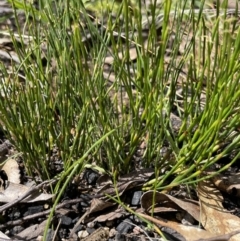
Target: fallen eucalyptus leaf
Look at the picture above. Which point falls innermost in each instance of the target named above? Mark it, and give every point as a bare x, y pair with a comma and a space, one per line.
214, 217
228, 183
164, 202
224, 237
14, 191
12, 170
99, 205
188, 232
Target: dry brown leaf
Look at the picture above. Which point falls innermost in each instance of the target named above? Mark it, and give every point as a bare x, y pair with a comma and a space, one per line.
167, 201
3, 236
63, 211
224, 237
103, 183
14, 191
190, 233
33, 231
99, 205
108, 217
228, 183
214, 217
12, 170
101, 234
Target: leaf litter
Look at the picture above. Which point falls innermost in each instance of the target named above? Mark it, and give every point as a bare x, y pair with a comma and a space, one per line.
214, 218
209, 213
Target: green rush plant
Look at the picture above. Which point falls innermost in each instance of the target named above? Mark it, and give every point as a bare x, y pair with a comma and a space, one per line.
96, 88
98, 79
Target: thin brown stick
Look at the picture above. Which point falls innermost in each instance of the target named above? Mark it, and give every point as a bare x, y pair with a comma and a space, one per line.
56, 231
78, 223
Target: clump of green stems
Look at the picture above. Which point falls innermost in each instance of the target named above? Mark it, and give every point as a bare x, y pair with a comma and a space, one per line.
65, 103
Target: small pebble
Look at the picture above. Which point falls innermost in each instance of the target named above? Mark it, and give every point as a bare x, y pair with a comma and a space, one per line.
84, 204
91, 224
136, 198
112, 232
83, 234
91, 176
66, 221
46, 206
124, 227
17, 229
